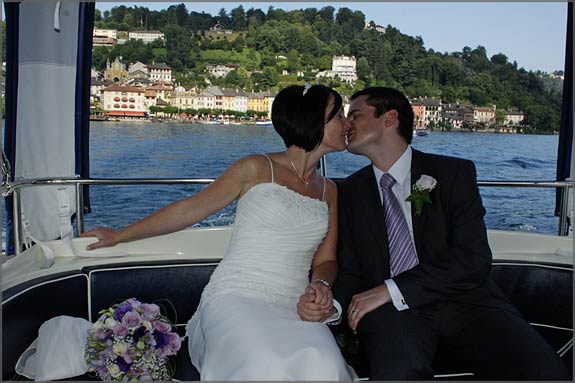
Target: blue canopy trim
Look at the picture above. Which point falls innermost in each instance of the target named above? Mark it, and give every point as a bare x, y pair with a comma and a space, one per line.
12, 26
82, 113
565, 149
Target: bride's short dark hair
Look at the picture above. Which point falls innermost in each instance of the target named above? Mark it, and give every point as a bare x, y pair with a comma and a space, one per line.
298, 114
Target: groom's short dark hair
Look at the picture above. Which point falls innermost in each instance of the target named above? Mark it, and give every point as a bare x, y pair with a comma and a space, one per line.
298, 114
385, 99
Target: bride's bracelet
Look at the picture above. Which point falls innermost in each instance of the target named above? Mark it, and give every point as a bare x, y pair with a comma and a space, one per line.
323, 282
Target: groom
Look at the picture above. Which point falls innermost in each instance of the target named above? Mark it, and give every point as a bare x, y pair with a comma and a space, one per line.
414, 276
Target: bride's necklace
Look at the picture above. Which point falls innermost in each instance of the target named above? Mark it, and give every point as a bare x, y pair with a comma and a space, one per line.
303, 180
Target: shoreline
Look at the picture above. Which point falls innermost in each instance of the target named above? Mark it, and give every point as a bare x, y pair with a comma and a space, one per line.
253, 123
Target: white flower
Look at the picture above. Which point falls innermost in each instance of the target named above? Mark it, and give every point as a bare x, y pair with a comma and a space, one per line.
120, 348
425, 183
114, 370
420, 192
111, 323
148, 325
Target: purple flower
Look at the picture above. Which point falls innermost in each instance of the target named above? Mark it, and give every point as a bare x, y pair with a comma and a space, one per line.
162, 326
120, 330
131, 319
121, 310
122, 364
100, 333
149, 311
161, 339
173, 346
133, 302
140, 332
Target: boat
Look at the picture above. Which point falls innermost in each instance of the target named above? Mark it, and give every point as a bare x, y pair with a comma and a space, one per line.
420, 132
43, 277
264, 122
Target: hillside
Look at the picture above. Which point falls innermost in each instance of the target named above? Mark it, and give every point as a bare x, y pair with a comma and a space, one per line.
301, 42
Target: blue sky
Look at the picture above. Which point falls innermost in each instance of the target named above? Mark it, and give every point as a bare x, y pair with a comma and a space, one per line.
531, 33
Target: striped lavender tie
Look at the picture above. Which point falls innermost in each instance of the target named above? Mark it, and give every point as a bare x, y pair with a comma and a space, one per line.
401, 252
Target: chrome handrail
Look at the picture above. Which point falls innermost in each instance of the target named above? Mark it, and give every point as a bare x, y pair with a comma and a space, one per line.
13, 188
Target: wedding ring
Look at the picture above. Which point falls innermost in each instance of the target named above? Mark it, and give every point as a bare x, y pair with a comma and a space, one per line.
353, 312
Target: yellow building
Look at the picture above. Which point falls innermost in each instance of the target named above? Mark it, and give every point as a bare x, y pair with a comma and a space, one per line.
261, 102
116, 71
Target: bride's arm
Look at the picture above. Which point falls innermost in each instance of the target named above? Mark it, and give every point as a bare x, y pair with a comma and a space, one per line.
317, 302
237, 179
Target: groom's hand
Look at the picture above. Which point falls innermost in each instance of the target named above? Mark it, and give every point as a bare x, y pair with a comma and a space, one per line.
366, 302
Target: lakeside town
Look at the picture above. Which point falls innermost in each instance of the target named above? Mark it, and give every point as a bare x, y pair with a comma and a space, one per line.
147, 92
151, 92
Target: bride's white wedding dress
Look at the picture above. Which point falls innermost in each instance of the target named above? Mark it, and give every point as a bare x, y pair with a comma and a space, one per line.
246, 326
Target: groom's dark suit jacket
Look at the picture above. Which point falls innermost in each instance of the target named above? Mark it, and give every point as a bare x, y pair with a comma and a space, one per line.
450, 238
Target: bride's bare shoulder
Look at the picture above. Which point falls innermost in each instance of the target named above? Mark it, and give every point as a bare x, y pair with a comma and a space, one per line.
254, 167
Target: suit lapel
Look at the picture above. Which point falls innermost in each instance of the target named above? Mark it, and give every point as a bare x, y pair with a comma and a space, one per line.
417, 169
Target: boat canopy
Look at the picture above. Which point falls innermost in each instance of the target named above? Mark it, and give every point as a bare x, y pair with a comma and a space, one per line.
566, 140
48, 60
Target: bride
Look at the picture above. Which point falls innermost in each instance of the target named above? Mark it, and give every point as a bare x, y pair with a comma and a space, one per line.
252, 322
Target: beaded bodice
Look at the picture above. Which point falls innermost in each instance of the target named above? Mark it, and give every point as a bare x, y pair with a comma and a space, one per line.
276, 233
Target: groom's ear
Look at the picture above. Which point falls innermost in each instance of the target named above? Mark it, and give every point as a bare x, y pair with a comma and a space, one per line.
390, 117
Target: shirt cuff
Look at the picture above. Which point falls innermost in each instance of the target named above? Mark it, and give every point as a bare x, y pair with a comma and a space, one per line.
396, 296
335, 318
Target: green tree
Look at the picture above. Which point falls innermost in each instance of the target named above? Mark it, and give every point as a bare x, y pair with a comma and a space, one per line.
364, 70
238, 19
178, 46
500, 116
223, 18
99, 57
293, 61
541, 118
239, 44
255, 17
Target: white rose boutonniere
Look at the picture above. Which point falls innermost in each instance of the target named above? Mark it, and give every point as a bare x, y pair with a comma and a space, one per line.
420, 192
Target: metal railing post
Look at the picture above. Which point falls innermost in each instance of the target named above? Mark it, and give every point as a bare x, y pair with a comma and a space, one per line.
79, 209
563, 215
17, 221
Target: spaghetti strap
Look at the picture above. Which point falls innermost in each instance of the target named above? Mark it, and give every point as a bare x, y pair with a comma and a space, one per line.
323, 192
271, 166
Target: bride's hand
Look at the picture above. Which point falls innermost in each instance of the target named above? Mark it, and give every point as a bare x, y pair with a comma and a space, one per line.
310, 311
106, 237
323, 295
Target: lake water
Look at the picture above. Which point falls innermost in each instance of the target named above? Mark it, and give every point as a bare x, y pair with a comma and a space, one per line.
147, 150
165, 150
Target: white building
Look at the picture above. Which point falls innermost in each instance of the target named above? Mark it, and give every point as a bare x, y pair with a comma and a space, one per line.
484, 115
513, 118
110, 33
235, 99
219, 70
343, 67
124, 101
146, 36
137, 66
212, 98
160, 72
182, 99
377, 28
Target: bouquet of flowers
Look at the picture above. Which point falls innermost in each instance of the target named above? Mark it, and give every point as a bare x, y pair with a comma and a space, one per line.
132, 341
